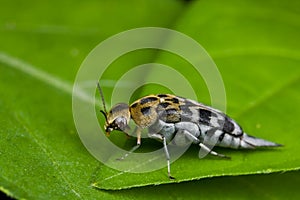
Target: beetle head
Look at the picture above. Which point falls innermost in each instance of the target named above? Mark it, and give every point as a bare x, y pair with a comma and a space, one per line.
117, 118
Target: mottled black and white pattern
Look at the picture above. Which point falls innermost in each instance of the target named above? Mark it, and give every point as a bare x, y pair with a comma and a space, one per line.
209, 126
179, 121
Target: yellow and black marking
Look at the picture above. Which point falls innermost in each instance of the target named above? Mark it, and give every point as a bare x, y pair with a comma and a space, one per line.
147, 110
169, 117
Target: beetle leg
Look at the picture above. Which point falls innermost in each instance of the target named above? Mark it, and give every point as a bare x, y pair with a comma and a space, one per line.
138, 143
164, 140
168, 158
204, 148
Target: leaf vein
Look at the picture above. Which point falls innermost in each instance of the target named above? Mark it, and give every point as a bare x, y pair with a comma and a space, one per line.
268, 95
44, 149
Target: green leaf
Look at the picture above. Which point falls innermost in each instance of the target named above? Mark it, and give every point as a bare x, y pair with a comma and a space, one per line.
42, 47
254, 45
240, 187
262, 81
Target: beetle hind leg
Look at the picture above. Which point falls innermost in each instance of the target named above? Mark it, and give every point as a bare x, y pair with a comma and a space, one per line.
204, 149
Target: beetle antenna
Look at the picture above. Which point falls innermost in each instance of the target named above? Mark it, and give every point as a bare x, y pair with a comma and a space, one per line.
103, 101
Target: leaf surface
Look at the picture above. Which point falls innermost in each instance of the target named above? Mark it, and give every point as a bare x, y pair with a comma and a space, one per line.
253, 43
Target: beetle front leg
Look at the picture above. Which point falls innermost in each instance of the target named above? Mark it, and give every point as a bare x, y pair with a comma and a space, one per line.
138, 132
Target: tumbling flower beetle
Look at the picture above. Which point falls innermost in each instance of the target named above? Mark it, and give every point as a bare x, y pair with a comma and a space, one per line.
170, 118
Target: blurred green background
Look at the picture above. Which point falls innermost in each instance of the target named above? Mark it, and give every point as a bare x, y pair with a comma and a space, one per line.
255, 45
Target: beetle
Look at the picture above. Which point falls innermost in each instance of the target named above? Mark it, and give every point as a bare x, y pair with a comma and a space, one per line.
175, 119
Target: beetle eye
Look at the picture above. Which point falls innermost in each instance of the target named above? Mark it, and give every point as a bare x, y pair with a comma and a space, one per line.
121, 123
109, 129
